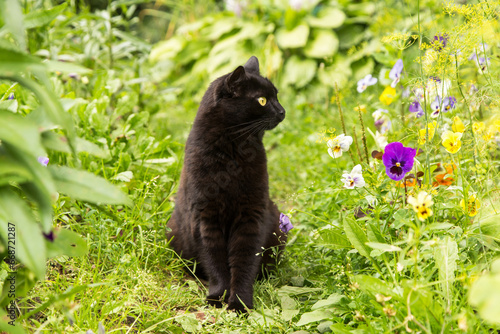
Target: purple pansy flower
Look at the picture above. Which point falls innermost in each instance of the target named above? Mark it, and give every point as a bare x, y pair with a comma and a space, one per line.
395, 73
43, 160
285, 224
416, 108
398, 160
365, 82
449, 103
11, 96
436, 107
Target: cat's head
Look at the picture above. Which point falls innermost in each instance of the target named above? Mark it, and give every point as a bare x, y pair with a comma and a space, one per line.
248, 99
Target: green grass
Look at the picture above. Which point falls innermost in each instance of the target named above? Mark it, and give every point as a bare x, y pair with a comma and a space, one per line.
412, 275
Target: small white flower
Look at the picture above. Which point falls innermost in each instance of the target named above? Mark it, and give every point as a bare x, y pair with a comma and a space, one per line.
354, 178
338, 145
379, 114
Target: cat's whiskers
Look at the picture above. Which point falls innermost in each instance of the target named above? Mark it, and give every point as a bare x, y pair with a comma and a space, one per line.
250, 130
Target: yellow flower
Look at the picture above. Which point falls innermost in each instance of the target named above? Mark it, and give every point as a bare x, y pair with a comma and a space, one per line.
478, 128
421, 205
451, 141
388, 95
473, 205
361, 108
496, 125
488, 134
458, 125
432, 129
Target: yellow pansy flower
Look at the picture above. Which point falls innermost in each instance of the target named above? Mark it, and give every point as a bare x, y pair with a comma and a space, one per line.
478, 128
458, 125
388, 95
421, 205
431, 128
451, 141
473, 205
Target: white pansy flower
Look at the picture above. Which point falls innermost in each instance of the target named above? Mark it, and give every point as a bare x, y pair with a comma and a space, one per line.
338, 145
354, 178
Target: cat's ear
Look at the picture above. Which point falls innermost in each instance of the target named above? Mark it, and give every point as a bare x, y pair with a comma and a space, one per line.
237, 76
252, 65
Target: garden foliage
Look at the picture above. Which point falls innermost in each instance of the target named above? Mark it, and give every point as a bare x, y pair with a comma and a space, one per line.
387, 163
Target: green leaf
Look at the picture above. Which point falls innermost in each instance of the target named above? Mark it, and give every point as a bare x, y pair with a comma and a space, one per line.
289, 307
10, 167
29, 244
374, 285
68, 243
356, 236
295, 38
323, 44
87, 187
5, 327
446, 256
296, 291
12, 15
332, 238
23, 279
189, 323
59, 143
314, 316
338, 73
373, 232
327, 18
484, 295
13, 62
299, 72
21, 133
333, 299
340, 329
383, 247
42, 17
65, 67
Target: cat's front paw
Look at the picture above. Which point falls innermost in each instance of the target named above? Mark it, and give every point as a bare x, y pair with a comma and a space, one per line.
235, 304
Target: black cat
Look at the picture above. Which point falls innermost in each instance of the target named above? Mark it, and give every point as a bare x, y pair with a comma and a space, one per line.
223, 216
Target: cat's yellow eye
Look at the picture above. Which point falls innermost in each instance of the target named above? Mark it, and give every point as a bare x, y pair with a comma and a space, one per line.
262, 101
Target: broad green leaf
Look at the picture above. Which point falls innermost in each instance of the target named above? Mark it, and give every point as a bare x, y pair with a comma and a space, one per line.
65, 67
324, 43
6, 327
338, 73
59, 143
373, 232
12, 15
29, 242
189, 323
37, 193
328, 17
66, 242
356, 236
296, 291
24, 282
484, 295
87, 187
332, 238
340, 329
13, 62
299, 72
446, 256
168, 49
295, 38
41, 17
383, 247
333, 299
51, 105
21, 133
374, 285
314, 316
289, 307
10, 167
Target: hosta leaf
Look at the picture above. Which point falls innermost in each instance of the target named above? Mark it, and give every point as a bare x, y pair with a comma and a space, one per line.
295, 38
327, 18
299, 72
323, 44
87, 187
